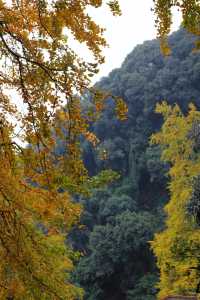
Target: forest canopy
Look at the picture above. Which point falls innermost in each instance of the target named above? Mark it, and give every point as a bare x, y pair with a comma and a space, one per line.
46, 136
39, 75
119, 221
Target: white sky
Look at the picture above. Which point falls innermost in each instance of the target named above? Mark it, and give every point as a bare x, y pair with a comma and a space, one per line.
123, 33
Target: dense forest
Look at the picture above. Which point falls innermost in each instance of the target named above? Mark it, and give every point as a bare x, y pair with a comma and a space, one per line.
99, 185
119, 221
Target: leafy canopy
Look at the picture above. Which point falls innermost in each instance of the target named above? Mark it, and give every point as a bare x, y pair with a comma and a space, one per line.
163, 9
39, 73
177, 247
106, 271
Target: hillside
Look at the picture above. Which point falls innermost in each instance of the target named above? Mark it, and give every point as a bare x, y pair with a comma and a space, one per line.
120, 221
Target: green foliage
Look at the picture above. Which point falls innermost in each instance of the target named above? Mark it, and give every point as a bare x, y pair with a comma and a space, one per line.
144, 289
155, 167
102, 179
114, 267
115, 248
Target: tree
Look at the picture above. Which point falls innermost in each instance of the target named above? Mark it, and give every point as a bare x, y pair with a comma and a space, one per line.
118, 255
177, 247
190, 10
38, 64
142, 186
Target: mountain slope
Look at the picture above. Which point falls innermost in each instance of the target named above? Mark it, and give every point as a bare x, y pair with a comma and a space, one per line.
119, 221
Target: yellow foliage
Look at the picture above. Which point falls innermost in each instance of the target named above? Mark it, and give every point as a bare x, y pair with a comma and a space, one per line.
177, 247
163, 10
91, 137
121, 109
39, 65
